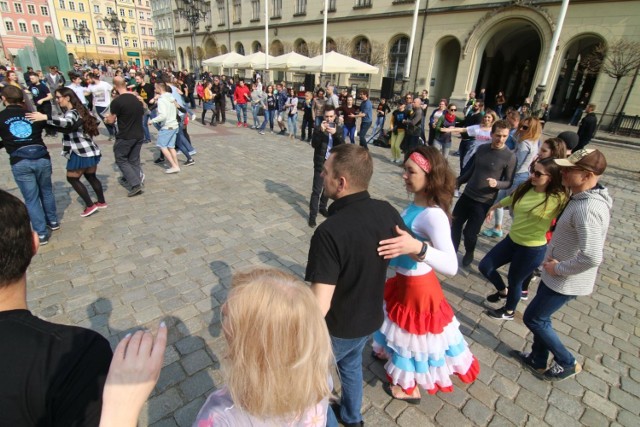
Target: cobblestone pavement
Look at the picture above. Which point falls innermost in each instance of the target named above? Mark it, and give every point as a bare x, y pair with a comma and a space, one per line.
169, 254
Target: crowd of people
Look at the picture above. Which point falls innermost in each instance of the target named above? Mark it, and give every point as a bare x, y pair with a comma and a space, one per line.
283, 336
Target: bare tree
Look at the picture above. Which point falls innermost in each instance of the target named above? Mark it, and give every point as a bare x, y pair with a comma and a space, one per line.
314, 48
618, 60
379, 54
343, 45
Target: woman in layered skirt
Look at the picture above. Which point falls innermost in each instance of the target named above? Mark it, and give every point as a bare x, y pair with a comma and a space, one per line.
420, 338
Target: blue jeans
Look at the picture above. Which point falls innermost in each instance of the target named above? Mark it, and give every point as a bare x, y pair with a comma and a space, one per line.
182, 143
364, 128
348, 354
292, 122
255, 109
379, 124
349, 130
268, 116
34, 181
145, 127
537, 317
523, 259
243, 108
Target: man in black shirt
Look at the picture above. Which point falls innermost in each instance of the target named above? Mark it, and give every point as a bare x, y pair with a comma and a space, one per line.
42, 97
587, 129
30, 162
346, 273
326, 136
146, 92
128, 109
51, 375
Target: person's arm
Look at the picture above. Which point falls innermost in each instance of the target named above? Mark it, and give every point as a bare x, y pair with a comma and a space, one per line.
453, 130
507, 175
501, 204
133, 374
467, 175
163, 113
324, 294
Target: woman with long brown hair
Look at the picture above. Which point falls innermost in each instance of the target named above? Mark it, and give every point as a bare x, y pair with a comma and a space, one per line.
534, 204
78, 127
420, 336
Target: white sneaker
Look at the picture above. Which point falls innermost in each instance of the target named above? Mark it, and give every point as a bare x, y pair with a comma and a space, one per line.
193, 116
456, 193
172, 170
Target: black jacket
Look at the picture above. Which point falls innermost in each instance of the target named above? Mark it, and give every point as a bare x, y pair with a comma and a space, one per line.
587, 130
319, 142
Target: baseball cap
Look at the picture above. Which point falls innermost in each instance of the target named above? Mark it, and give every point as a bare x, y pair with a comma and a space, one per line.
570, 139
588, 159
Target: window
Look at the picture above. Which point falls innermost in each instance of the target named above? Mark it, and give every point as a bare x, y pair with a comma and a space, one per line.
62, 4
122, 12
48, 29
18, 7
130, 13
101, 40
143, 31
35, 28
150, 31
362, 3
276, 8
141, 15
75, 23
109, 10
153, 44
65, 22
361, 52
301, 7
301, 47
237, 11
148, 16
145, 44
44, 10
31, 9
114, 41
84, 22
126, 42
398, 58
255, 10
221, 12
8, 25
332, 5
4, 6
96, 8
133, 29
69, 39
135, 42
239, 48
72, 6
81, 7
22, 26
99, 25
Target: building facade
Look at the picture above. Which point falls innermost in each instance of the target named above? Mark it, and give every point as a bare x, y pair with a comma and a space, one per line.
163, 19
21, 21
460, 45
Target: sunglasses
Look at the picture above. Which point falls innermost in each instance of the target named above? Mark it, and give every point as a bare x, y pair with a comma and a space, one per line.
524, 127
453, 109
538, 174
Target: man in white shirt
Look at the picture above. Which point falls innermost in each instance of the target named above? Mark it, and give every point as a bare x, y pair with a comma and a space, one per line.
76, 86
101, 91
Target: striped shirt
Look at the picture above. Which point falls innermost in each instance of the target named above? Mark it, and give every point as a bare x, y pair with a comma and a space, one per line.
76, 141
578, 242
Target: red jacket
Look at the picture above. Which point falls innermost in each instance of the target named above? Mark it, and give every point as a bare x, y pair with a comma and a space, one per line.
242, 94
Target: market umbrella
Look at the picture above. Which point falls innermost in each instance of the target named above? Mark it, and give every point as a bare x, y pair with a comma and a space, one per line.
227, 60
255, 61
288, 61
335, 62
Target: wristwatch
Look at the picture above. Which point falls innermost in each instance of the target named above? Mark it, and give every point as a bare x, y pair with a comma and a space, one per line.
423, 251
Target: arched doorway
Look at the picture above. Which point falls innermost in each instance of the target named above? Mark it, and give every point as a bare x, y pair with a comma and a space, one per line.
223, 49
509, 61
256, 47
445, 68
181, 58
277, 48
240, 48
300, 46
210, 48
574, 80
398, 53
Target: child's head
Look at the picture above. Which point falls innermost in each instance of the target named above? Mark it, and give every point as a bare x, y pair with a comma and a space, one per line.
553, 148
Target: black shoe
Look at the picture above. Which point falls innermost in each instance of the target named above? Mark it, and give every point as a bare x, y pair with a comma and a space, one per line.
467, 259
496, 297
500, 314
159, 160
135, 190
324, 213
559, 373
213, 124
312, 222
190, 162
527, 362
123, 181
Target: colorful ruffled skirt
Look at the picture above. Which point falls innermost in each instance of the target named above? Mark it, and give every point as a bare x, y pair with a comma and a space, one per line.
421, 338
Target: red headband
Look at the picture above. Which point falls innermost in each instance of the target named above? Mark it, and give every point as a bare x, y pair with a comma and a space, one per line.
421, 161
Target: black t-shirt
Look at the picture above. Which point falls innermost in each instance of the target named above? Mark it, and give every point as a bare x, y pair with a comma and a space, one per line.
51, 375
146, 91
16, 131
129, 111
344, 253
39, 91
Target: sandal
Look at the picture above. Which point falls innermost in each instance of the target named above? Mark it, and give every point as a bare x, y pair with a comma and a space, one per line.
409, 399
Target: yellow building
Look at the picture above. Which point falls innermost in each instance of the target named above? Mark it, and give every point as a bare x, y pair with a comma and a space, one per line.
70, 14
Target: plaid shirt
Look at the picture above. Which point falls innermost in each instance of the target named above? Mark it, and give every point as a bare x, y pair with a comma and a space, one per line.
75, 141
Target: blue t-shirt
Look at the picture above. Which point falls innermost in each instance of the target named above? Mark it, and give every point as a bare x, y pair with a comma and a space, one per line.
367, 108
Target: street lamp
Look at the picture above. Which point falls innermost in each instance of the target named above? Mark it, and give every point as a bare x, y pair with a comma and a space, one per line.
116, 25
193, 11
83, 33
